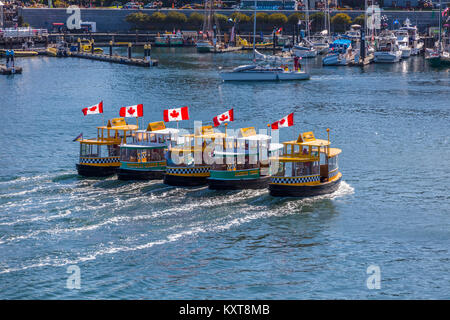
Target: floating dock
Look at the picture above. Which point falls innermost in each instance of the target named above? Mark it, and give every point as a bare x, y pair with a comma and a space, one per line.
5, 70
115, 59
228, 49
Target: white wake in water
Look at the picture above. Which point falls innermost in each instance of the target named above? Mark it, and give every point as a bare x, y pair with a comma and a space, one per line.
253, 205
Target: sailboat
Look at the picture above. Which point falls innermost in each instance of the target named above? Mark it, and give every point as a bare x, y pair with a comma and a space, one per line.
254, 72
440, 56
305, 49
208, 41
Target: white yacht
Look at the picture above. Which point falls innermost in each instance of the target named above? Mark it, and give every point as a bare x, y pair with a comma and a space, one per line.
415, 42
403, 43
304, 50
387, 50
258, 73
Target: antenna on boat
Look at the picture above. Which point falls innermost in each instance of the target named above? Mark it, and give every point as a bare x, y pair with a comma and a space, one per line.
328, 132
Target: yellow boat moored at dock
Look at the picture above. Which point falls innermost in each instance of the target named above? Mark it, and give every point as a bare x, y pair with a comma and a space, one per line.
100, 157
307, 167
20, 53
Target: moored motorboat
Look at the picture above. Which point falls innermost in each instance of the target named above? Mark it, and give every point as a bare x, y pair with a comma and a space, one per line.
188, 162
144, 157
387, 50
242, 162
259, 73
308, 167
99, 157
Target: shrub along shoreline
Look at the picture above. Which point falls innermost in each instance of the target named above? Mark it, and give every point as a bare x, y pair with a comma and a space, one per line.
340, 22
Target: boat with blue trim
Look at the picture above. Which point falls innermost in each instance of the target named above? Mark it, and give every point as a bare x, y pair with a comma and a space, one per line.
144, 157
99, 157
242, 162
189, 162
308, 167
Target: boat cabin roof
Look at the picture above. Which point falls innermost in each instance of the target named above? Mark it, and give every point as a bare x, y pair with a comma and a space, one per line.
146, 146
308, 139
206, 132
101, 141
119, 124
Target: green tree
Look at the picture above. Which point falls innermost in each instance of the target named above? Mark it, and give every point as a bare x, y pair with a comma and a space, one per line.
139, 19
240, 17
340, 22
157, 18
360, 20
175, 18
295, 18
221, 19
196, 19
278, 19
261, 18
317, 21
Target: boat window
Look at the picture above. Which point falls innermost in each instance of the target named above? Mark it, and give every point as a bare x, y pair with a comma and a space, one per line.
219, 166
332, 163
113, 150
155, 154
305, 168
90, 150
152, 137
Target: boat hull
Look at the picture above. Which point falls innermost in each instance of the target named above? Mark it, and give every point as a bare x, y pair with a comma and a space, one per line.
438, 62
305, 53
387, 57
184, 181
263, 76
96, 171
282, 190
238, 184
127, 174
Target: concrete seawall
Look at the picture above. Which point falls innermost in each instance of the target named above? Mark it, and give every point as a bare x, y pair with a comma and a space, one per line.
113, 20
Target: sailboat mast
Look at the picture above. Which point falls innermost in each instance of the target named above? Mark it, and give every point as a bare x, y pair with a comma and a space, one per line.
440, 14
307, 19
254, 33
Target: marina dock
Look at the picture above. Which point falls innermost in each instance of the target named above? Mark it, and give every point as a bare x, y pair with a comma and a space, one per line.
4, 70
115, 59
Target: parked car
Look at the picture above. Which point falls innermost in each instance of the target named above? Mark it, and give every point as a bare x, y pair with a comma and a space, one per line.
131, 5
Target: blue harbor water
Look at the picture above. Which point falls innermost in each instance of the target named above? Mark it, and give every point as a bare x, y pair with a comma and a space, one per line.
146, 240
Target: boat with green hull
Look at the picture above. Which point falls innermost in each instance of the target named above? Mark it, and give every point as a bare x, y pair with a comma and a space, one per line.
144, 157
242, 162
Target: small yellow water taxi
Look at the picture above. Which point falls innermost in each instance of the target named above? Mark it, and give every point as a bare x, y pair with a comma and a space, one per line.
100, 157
307, 167
144, 157
243, 162
189, 163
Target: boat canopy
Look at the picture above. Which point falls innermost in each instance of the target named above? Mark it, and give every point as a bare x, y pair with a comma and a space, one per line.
119, 124
244, 68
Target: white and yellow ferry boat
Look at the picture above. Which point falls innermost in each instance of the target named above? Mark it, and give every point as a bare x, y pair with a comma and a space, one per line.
100, 157
307, 167
189, 163
243, 162
144, 157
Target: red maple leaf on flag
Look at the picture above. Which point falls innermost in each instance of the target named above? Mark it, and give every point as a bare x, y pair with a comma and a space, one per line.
282, 121
223, 117
93, 108
131, 110
174, 114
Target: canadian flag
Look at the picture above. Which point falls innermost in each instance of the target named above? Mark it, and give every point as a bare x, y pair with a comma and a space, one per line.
132, 111
176, 114
283, 123
224, 117
98, 108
